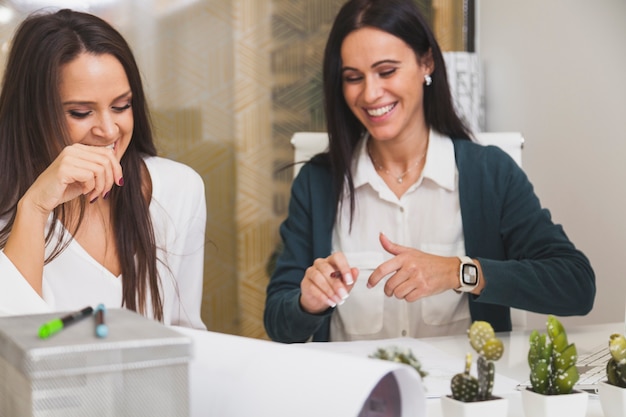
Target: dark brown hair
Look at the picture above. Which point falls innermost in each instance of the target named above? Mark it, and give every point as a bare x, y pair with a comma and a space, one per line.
33, 132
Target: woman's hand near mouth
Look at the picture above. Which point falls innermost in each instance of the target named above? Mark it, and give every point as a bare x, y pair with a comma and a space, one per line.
78, 170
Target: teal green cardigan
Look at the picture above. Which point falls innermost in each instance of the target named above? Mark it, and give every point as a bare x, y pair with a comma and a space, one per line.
527, 261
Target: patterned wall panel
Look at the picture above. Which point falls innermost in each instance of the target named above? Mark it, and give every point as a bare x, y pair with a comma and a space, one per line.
193, 95
252, 104
299, 32
448, 17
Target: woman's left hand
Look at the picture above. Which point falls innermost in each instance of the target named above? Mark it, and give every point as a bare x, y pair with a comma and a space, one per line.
415, 274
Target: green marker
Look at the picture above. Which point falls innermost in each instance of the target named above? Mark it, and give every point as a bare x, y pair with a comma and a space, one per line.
55, 325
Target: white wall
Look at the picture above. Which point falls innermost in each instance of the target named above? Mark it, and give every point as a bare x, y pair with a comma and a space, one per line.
556, 71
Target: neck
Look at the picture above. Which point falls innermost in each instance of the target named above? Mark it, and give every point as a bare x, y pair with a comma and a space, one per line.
397, 164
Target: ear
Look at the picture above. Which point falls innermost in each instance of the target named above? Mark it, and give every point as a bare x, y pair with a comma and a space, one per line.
427, 62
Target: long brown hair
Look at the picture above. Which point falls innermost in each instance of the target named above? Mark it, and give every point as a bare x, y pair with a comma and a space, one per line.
33, 132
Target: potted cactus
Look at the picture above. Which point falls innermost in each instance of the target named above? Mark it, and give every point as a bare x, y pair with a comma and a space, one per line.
612, 392
395, 354
553, 374
473, 396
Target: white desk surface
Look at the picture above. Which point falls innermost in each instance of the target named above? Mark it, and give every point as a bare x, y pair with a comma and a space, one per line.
513, 363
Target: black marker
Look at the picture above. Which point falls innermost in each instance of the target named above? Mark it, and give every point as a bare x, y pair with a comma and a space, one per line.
53, 326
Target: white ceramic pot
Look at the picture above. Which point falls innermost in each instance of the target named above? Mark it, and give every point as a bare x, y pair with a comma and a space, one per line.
612, 399
497, 407
539, 405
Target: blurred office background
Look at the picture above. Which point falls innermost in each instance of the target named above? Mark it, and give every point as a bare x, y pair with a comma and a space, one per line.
229, 82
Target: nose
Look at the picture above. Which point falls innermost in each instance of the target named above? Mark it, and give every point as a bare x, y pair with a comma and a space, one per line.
105, 126
372, 89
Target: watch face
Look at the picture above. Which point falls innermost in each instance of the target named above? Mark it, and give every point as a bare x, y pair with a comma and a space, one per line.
470, 274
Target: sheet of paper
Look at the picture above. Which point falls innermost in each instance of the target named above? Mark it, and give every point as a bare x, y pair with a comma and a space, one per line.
236, 376
441, 366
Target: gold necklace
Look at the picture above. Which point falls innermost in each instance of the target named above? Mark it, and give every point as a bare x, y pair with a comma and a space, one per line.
399, 178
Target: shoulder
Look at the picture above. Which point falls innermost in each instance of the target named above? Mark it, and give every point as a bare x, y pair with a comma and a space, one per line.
174, 183
173, 168
171, 175
474, 156
313, 186
315, 171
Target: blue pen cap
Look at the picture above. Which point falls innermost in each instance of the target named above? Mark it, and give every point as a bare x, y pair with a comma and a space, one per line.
102, 330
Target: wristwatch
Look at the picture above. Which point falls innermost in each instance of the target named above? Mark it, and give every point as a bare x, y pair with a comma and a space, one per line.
468, 275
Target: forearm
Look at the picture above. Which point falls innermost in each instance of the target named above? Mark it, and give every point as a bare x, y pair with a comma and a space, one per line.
25, 247
563, 286
286, 322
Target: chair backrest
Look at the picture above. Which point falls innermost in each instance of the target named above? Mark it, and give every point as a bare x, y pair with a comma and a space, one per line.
308, 144
510, 142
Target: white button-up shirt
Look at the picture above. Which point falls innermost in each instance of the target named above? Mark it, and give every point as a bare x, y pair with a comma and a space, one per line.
427, 217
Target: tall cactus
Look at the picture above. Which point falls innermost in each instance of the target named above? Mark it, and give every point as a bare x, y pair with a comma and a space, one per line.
465, 387
552, 360
616, 366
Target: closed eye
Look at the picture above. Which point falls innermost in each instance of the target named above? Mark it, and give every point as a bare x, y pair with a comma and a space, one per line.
120, 109
387, 74
79, 114
352, 78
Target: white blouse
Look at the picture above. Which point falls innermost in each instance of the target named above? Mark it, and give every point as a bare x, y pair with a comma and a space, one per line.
427, 217
74, 279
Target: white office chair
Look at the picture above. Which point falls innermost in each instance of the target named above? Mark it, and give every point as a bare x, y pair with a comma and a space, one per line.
308, 144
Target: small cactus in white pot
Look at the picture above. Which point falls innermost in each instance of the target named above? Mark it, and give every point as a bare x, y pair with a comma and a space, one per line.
474, 395
612, 392
553, 375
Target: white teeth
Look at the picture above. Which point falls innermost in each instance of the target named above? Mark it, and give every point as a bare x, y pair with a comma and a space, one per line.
111, 146
380, 111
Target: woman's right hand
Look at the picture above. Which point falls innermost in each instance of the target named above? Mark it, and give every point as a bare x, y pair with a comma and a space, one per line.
78, 170
327, 283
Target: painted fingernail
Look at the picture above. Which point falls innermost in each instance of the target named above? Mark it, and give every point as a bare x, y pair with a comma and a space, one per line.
343, 293
348, 279
93, 201
106, 195
120, 182
331, 303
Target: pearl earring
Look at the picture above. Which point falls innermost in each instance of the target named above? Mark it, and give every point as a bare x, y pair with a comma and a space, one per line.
428, 79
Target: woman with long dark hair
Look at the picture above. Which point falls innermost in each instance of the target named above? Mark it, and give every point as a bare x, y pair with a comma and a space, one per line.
406, 226
89, 213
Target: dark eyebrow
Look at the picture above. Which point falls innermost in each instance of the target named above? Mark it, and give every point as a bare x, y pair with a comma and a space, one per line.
374, 65
121, 96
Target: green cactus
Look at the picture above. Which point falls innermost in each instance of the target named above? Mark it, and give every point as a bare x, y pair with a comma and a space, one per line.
489, 348
395, 354
616, 366
552, 360
464, 386
486, 376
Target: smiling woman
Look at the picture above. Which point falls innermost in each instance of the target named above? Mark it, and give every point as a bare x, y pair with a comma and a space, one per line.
89, 214
428, 229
